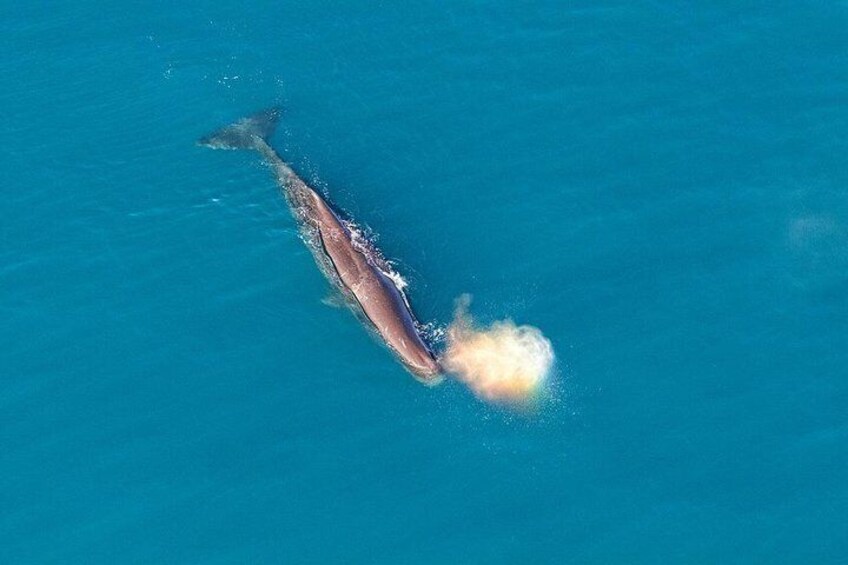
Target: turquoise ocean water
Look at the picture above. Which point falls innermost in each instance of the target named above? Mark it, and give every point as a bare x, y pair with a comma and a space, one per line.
661, 187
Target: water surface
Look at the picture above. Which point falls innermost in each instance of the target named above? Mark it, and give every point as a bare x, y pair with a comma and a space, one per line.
660, 187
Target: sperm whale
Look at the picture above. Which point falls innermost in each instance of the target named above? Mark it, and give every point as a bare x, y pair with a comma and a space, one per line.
357, 273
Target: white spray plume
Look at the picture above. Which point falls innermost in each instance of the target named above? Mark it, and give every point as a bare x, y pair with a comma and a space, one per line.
503, 363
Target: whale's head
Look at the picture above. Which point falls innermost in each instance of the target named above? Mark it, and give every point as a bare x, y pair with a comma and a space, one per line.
423, 366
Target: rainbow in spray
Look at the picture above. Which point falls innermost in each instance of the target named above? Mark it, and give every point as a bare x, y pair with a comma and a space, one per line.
504, 363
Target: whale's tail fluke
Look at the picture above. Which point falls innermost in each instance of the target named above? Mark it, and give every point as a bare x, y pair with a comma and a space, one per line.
245, 133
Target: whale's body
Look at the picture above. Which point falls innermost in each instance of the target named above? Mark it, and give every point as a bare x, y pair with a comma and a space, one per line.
348, 265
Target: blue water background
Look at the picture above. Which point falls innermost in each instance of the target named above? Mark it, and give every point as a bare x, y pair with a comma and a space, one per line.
661, 187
